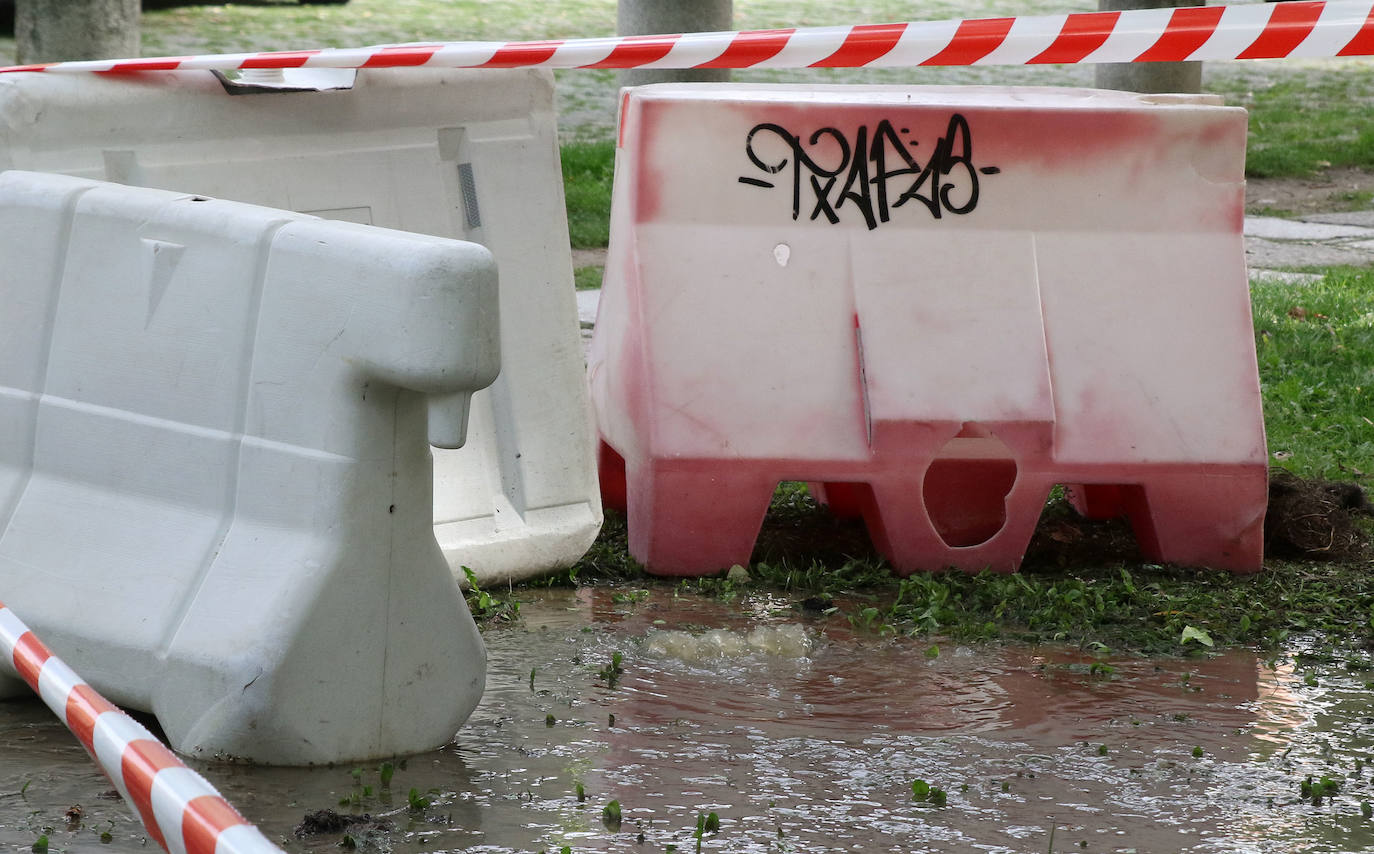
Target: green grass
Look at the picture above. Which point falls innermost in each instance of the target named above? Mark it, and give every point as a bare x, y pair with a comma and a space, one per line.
1305, 121
1315, 345
588, 278
588, 170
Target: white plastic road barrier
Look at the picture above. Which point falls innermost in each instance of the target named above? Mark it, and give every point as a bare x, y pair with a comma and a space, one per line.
181, 810
461, 154
1250, 31
215, 479
937, 303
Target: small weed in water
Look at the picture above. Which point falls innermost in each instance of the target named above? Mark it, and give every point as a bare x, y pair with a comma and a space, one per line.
610, 816
612, 671
386, 772
926, 793
1197, 752
1323, 787
706, 823
581, 793
550, 720
631, 597
1366, 810
416, 802
487, 608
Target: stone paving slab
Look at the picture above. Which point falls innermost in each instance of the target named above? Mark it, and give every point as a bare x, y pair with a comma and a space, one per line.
1274, 228
1361, 218
1262, 254
1284, 278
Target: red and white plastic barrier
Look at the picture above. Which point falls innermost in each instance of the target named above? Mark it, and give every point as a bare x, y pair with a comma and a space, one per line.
182, 812
1257, 31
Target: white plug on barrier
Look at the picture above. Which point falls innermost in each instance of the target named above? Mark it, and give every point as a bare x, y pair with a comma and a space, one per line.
215, 485
460, 154
935, 303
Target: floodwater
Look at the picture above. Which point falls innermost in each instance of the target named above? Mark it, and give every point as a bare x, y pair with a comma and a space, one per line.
802, 735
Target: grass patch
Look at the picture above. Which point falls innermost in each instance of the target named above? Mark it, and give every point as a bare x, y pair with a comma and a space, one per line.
588, 278
1315, 346
588, 169
1304, 121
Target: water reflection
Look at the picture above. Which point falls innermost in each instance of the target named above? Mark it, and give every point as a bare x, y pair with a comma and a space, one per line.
803, 748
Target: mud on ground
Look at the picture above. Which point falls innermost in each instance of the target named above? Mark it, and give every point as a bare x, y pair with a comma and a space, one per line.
1331, 190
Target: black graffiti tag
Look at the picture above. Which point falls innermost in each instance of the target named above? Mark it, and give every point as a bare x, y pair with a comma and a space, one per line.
876, 172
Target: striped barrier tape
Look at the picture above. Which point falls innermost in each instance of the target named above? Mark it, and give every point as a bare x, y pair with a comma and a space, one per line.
1257, 31
180, 810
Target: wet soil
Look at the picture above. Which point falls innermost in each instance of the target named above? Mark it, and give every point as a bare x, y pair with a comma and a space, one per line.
1310, 519
1333, 190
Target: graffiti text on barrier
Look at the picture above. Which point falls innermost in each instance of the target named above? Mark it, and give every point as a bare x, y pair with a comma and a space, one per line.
875, 173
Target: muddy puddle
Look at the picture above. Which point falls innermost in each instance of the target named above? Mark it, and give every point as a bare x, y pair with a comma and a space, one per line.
801, 735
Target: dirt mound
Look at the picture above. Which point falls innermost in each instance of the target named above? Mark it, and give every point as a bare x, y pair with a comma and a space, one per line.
1314, 519
327, 821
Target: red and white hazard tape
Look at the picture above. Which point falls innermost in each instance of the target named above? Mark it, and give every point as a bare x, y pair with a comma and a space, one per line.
180, 810
1255, 31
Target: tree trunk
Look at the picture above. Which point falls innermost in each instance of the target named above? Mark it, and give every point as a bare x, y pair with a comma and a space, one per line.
58, 30
1149, 76
661, 17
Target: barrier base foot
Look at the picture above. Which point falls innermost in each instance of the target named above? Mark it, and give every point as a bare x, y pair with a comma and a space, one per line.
695, 521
